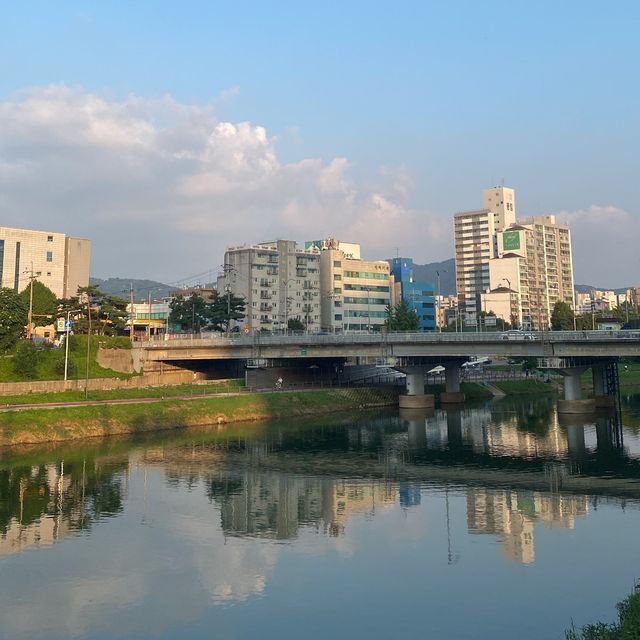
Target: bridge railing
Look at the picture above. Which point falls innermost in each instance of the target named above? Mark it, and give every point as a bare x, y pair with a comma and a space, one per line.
256, 338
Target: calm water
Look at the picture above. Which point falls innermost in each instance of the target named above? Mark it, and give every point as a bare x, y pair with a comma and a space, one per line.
498, 521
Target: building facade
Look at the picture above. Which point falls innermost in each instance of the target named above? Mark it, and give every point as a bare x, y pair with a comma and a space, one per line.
355, 293
279, 282
475, 244
58, 261
418, 295
534, 260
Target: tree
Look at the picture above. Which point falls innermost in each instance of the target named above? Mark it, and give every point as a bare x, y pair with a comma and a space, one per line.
401, 317
45, 303
190, 314
295, 324
25, 360
222, 310
13, 317
562, 318
108, 313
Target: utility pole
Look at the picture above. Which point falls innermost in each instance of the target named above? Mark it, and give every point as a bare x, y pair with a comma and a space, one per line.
86, 386
227, 289
149, 325
131, 318
32, 276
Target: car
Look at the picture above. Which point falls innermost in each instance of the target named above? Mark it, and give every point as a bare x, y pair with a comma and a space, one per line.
517, 334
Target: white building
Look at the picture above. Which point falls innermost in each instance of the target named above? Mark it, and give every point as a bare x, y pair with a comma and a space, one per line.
58, 261
355, 293
475, 245
279, 282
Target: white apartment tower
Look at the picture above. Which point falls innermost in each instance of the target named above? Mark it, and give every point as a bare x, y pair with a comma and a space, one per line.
278, 281
475, 244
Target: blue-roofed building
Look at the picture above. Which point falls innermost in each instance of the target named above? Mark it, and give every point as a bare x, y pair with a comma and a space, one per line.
418, 295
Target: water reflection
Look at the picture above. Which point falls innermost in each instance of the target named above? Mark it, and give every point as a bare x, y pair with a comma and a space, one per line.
207, 518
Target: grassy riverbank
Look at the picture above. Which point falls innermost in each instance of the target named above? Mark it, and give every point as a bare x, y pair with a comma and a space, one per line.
32, 426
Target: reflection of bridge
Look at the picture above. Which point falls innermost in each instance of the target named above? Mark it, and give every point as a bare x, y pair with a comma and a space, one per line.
569, 352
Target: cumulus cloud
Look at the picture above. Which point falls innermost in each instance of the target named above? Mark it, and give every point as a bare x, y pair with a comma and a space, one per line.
604, 239
162, 187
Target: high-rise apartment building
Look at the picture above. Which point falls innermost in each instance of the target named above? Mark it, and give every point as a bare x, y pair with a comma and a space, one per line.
279, 282
475, 244
534, 260
59, 261
355, 293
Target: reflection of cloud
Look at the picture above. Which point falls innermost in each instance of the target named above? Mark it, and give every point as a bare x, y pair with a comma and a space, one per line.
182, 178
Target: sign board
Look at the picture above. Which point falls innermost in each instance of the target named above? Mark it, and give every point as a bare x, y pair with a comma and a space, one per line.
470, 321
490, 321
60, 324
511, 241
68, 325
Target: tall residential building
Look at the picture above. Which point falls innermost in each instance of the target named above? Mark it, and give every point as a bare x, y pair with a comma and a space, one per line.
279, 282
418, 295
355, 293
59, 261
534, 261
475, 244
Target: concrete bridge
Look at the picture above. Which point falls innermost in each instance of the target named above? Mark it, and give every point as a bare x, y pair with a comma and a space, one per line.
571, 353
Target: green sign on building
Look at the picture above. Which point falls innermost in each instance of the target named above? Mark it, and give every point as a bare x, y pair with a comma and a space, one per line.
511, 240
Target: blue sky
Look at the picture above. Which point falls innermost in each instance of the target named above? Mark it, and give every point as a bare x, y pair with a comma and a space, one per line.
427, 102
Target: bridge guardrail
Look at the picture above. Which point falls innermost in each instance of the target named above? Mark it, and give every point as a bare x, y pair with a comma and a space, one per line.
216, 339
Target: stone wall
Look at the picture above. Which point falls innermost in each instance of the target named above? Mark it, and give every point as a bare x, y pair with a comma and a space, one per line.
116, 359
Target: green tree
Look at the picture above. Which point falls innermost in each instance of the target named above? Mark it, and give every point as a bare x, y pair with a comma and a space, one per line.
401, 317
25, 359
223, 310
108, 313
45, 303
13, 317
295, 324
562, 318
190, 314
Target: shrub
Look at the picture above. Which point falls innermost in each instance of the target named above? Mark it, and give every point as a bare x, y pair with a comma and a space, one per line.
25, 360
72, 367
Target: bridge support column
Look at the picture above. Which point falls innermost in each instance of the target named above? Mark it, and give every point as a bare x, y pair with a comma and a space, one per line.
454, 428
573, 401
416, 398
600, 395
452, 395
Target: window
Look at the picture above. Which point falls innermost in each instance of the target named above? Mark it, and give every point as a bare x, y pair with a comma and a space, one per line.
49, 238
337, 276
337, 263
49, 256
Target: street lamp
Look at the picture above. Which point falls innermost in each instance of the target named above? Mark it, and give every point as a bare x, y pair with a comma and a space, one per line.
67, 328
286, 304
32, 276
438, 303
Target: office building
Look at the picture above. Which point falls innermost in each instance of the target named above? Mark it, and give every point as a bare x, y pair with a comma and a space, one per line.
418, 295
58, 261
355, 293
278, 281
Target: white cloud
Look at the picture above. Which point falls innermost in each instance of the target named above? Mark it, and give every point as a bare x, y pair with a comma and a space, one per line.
163, 187
604, 240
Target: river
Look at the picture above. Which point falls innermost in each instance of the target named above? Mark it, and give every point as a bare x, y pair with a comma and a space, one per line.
498, 520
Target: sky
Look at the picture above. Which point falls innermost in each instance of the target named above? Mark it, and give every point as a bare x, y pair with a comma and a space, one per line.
166, 132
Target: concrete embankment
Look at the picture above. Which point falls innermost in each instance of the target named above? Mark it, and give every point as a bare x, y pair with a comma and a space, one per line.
32, 426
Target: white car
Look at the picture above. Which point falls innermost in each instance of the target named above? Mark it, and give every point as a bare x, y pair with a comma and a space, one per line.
517, 334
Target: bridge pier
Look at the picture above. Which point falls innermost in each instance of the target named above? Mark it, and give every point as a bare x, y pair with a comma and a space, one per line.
600, 392
452, 393
415, 397
573, 401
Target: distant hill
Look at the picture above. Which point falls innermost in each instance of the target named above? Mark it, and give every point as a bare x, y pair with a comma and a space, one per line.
428, 273
141, 288
587, 288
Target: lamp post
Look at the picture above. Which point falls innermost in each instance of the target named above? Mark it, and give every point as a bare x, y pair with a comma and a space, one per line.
32, 276
511, 314
67, 328
286, 304
368, 290
438, 306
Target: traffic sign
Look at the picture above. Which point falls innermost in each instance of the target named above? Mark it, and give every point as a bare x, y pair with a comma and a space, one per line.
68, 325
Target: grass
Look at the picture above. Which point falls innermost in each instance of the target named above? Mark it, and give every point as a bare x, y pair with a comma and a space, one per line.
48, 357
32, 426
524, 387
208, 388
627, 627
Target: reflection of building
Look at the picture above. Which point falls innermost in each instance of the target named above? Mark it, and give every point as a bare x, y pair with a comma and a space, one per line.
276, 505
511, 515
